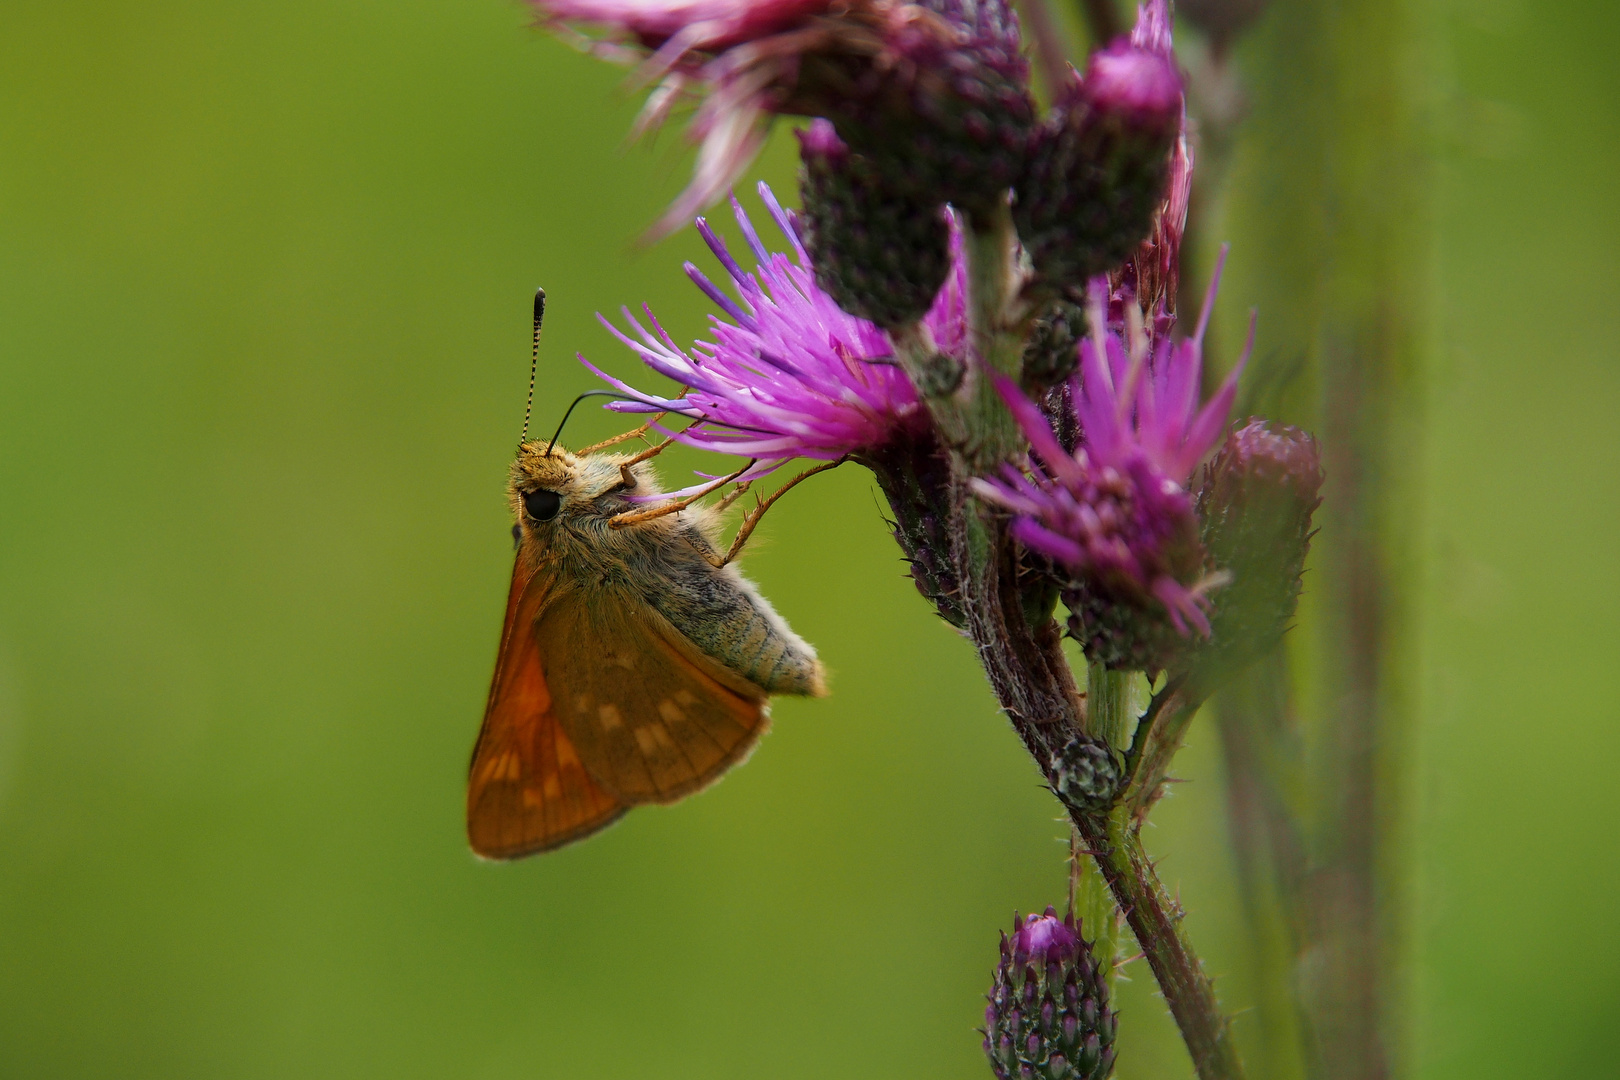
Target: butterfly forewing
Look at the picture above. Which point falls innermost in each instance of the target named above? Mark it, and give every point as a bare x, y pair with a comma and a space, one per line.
528, 790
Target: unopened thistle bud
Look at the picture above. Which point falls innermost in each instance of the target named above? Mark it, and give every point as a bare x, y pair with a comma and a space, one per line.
1085, 774
951, 122
879, 254
1254, 509
1097, 168
1048, 1017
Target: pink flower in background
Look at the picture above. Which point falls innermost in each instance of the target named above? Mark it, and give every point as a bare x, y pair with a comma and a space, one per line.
934, 64
689, 26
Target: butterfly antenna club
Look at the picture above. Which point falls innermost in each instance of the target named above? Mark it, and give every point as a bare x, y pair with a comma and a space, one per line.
534, 361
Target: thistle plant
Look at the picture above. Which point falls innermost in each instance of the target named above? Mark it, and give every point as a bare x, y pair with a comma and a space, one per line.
978, 303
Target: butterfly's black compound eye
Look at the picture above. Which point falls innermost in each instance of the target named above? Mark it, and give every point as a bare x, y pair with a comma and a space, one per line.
541, 504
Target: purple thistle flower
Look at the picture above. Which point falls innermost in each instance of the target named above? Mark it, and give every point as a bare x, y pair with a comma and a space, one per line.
788, 373
1152, 29
1117, 513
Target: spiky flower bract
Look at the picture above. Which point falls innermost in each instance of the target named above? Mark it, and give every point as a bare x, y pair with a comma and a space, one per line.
949, 124
787, 373
1116, 515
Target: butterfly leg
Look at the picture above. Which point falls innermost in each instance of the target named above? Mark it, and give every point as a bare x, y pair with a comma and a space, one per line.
747, 528
634, 517
633, 433
726, 501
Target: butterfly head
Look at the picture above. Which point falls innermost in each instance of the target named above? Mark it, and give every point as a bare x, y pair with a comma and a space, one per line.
549, 487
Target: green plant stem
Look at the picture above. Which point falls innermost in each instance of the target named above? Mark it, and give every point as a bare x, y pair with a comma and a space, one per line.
1159, 736
1022, 655
973, 421
1108, 717
1094, 903
1115, 845
1108, 705
1102, 20
997, 326
1155, 921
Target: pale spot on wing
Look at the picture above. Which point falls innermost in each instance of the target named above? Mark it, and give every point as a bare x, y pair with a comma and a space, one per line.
504, 766
672, 727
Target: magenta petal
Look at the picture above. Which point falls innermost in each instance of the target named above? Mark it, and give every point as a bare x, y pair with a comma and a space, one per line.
784, 372
1038, 537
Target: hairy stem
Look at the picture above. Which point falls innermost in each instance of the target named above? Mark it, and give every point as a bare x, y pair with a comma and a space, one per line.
998, 324
1160, 735
1109, 714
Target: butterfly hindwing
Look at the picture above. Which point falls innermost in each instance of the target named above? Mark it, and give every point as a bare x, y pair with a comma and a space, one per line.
653, 718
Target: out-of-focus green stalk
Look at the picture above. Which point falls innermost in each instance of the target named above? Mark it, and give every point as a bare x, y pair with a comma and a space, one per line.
1264, 795
1329, 206
1103, 20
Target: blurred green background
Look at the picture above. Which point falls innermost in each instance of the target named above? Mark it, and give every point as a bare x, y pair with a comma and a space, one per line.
264, 283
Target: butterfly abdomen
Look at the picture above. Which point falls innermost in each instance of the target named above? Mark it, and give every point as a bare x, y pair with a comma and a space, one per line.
722, 613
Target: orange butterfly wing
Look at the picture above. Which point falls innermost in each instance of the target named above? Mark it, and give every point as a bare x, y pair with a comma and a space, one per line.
653, 717
528, 791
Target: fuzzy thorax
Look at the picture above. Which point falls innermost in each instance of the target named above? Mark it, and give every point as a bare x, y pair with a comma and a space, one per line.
665, 562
